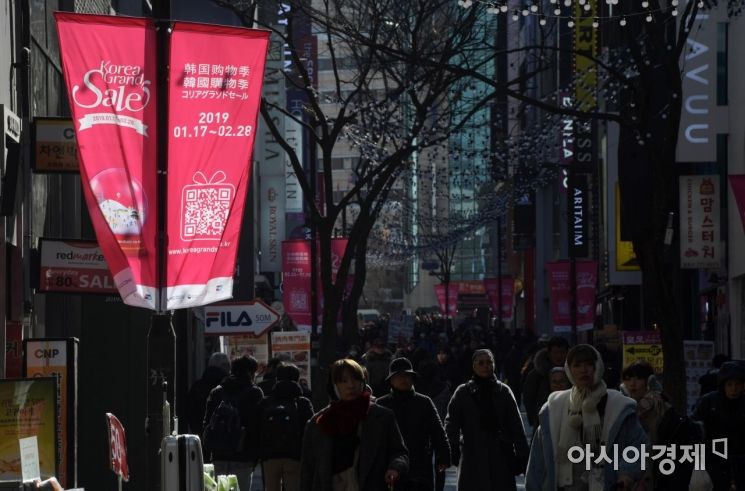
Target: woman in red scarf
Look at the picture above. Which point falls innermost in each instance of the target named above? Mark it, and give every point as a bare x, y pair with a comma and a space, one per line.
351, 444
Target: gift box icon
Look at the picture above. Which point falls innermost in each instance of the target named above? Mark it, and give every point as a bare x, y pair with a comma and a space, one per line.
205, 206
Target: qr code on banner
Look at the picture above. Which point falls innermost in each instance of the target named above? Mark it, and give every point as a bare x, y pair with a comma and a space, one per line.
299, 301
205, 206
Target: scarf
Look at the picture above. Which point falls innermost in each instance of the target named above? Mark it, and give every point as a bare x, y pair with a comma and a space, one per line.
580, 426
341, 422
483, 390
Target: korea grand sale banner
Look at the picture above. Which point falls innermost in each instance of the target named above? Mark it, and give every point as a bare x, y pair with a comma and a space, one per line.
214, 88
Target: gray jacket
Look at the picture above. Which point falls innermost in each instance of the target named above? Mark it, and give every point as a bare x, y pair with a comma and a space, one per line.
381, 448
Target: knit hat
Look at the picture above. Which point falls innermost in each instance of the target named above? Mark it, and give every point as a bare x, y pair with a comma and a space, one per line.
585, 352
400, 365
731, 370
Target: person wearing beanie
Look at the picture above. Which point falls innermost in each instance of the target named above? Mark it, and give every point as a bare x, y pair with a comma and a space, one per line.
420, 426
351, 444
485, 430
196, 399
587, 414
723, 415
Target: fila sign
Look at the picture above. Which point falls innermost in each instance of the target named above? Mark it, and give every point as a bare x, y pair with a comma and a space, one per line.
253, 317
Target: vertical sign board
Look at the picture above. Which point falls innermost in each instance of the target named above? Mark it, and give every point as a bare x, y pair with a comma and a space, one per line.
452, 293
58, 358
700, 245
294, 347
28, 407
578, 215
507, 293
586, 273
272, 221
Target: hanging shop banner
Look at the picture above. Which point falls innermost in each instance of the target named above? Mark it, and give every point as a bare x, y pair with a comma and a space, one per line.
54, 145
58, 358
697, 356
452, 293
73, 266
294, 347
737, 182
508, 294
561, 294
272, 220
28, 408
643, 346
110, 73
215, 84
700, 246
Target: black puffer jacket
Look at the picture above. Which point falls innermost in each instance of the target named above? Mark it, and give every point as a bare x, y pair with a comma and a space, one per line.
196, 399
537, 386
422, 431
248, 397
288, 394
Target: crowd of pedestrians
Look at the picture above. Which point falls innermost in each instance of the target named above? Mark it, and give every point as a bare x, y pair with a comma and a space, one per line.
399, 416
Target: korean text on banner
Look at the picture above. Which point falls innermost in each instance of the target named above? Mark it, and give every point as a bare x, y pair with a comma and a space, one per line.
110, 72
215, 81
586, 274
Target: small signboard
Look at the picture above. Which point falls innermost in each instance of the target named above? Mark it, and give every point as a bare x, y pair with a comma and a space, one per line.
294, 347
643, 346
29, 447
117, 447
254, 318
55, 148
74, 266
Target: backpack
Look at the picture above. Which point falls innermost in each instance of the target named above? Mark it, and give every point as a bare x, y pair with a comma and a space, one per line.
281, 431
224, 433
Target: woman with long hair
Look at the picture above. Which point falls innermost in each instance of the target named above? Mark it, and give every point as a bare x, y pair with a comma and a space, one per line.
351, 444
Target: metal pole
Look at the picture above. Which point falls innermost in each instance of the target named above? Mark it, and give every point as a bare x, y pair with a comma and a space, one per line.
499, 271
313, 236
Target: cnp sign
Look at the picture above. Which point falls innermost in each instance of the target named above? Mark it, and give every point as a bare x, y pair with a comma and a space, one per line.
117, 447
253, 317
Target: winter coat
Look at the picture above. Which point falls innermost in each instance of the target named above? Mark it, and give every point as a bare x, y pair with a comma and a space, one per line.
377, 370
620, 426
197, 397
481, 454
381, 448
247, 398
537, 386
439, 392
423, 433
723, 418
288, 393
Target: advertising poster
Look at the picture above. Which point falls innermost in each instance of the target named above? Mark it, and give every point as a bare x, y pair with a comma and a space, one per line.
28, 407
700, 245
452, 293
294, 347
697, 356
643, 346
73, 266
52, 358
247, 345
508, 294
561, 294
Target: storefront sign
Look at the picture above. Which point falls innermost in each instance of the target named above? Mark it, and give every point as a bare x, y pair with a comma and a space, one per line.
28, 407
253, 317
643, 346
294, 347
55, 149
700, 245
73, 266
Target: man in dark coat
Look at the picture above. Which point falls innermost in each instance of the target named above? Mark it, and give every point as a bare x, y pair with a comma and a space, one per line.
537, 386
217, 369
420, 427
239, 390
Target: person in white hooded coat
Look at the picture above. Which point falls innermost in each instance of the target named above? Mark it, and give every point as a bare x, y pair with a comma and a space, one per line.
587, 414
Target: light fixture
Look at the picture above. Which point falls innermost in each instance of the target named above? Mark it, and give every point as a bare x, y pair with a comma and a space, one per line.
534, 8
623, 21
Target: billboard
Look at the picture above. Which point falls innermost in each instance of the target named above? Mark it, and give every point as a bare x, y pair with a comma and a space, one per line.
700, 223
73, 266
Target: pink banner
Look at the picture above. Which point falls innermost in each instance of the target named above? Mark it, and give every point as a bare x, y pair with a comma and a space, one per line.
453, 297
216, 74
738, 189
508, 294
296, 278
110, 73
561, 294
214, 94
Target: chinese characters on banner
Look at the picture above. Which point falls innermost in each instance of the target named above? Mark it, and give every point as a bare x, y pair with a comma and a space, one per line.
699, 222
296, 286
561, 294
508, 290
213, 95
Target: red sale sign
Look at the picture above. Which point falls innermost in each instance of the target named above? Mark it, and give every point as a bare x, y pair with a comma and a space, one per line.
109, 67
216, 75
214, 93
117, 447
